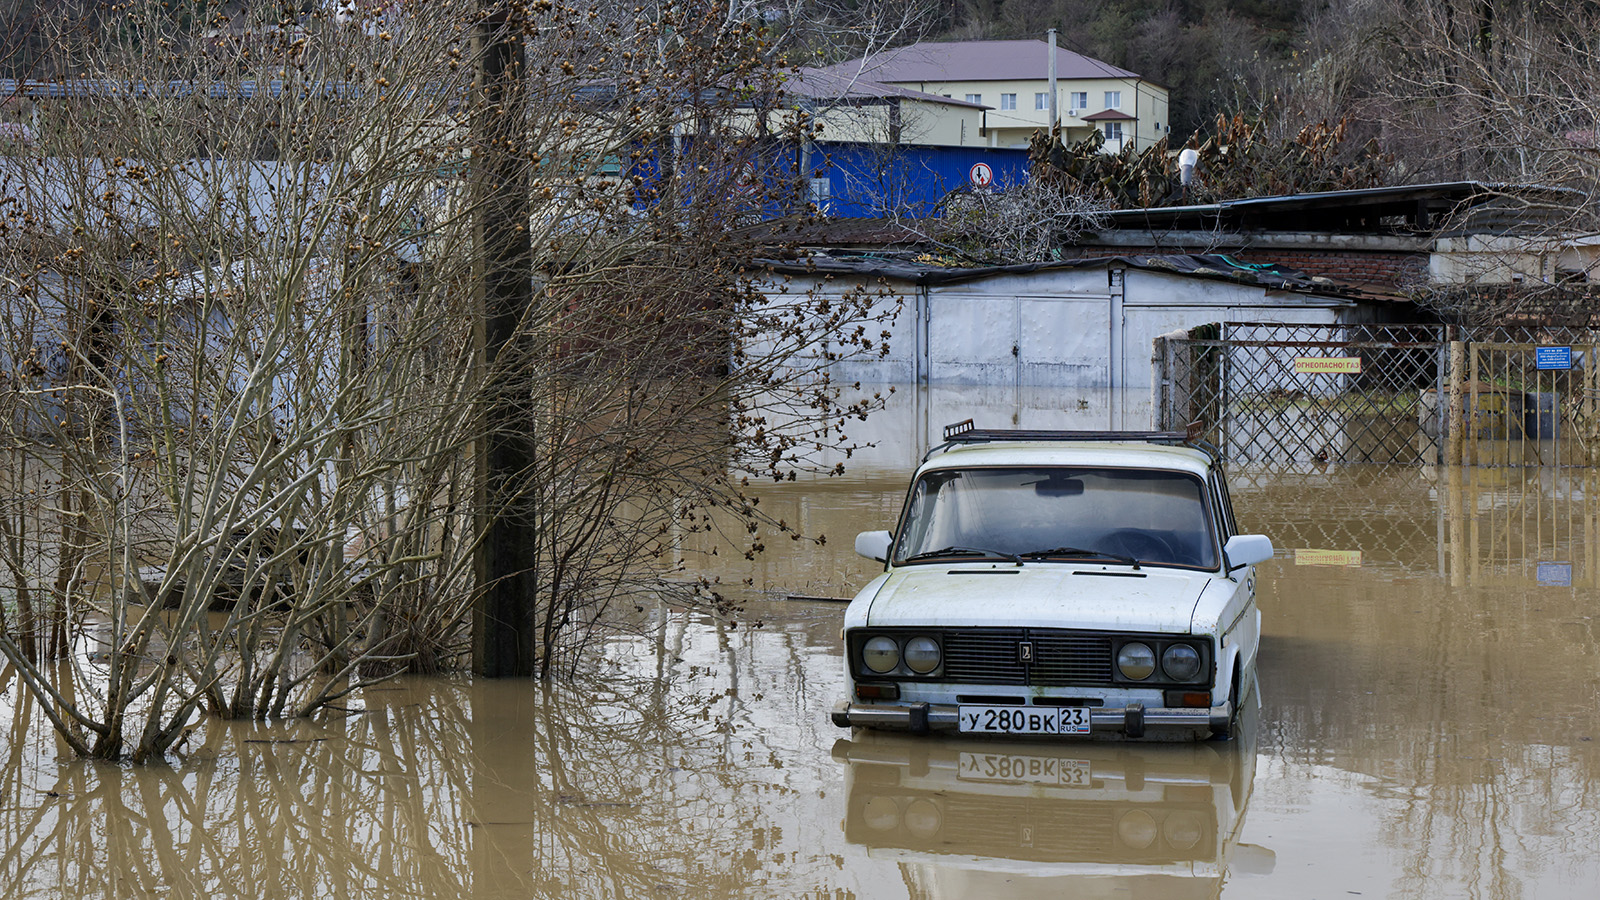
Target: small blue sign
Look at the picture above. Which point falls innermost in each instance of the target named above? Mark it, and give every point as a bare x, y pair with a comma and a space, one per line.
1555, 574
1553, 357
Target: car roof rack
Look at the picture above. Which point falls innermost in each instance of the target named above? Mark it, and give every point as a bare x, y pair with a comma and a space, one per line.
965, 432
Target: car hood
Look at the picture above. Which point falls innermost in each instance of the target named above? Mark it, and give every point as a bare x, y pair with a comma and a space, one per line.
1037, 595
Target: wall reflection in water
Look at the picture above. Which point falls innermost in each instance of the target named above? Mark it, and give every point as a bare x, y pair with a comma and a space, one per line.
987, 819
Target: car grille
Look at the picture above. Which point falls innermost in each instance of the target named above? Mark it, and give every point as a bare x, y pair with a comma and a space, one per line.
1042, 829
991, 656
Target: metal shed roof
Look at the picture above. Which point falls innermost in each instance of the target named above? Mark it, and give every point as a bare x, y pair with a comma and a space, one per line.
1211, 266
1383, 209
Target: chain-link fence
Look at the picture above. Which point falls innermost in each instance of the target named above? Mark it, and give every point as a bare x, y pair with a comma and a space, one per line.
1398, 394
1271, 392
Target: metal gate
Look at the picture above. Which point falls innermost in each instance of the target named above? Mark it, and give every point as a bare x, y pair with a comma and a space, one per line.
1525, 397
1273, 392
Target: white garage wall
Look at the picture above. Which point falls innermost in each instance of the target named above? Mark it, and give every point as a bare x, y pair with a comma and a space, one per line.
1080, 328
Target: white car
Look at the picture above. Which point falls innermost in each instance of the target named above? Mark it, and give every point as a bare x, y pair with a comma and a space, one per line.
1057, 584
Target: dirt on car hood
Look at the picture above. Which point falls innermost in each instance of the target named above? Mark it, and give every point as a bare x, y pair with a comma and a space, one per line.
1038, 595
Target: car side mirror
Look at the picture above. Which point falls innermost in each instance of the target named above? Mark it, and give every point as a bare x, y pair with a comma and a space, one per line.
1244, 550
874, 545
1250, 859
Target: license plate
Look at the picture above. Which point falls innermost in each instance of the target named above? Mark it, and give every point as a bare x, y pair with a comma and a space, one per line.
1013, 769
1024, 719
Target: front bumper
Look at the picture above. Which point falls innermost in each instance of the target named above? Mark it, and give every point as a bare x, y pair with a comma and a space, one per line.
1130, 721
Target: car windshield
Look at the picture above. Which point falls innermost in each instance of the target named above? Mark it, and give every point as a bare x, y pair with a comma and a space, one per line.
1127, 515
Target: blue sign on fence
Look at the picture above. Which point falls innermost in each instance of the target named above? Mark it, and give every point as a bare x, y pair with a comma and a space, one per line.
1554, 574
1553, 357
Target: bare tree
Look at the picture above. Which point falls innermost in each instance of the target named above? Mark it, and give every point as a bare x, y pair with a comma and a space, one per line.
243, 397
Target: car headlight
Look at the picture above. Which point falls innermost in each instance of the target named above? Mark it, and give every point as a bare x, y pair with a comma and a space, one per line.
1136, 661
922, 655
881, 814
923, 819
881, 654
1181, 662
1137, 829
1183, 830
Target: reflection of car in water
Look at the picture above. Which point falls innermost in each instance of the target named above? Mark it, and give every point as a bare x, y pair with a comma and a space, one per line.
987, 819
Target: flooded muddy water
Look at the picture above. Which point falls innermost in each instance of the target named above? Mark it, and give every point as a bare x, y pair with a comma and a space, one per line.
1427, 725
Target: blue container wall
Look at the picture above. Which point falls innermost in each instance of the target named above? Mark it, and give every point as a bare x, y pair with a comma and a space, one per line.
875, 180
864, 180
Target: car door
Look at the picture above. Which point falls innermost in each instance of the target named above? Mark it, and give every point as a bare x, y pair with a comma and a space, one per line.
1242, 618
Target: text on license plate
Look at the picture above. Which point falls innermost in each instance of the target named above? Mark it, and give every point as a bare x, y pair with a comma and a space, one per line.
1015, 769
1024, 719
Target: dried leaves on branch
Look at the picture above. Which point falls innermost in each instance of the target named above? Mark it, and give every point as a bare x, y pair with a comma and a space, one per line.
1235, 162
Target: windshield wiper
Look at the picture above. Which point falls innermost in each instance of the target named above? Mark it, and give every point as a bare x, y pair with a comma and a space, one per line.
1079, 551
964, 551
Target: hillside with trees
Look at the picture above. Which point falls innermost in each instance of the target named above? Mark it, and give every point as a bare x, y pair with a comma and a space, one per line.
1449, 89
1209, 53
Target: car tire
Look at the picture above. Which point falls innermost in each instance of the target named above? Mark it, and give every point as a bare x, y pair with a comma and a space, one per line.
1226, 732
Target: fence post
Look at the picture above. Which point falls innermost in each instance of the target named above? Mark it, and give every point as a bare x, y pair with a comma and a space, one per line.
1591, 428
1161, 383
1454, 418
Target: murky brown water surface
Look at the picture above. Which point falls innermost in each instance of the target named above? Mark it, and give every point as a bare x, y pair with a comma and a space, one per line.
1427, 727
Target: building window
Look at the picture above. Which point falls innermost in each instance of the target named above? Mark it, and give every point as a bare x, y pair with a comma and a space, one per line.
974, 98
1080, 100
1008, 101
1113, 99
1113, 131
1041, 100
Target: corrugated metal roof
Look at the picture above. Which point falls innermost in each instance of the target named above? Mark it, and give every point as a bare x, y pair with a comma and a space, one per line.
1364, 209
942, 61
1211, 266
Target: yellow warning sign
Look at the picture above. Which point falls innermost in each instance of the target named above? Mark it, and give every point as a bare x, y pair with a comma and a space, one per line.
1327, 557
1327, 365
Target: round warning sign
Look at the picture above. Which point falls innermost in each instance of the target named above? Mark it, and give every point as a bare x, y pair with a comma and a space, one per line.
746, 182
980, 175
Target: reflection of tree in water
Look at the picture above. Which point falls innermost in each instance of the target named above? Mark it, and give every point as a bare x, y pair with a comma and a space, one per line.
636, 788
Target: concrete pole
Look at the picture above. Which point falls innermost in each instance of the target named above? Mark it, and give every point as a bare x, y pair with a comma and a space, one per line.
504, 626
1055, 118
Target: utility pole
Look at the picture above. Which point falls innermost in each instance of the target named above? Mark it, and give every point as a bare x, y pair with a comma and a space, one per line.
504, 632
1055, 118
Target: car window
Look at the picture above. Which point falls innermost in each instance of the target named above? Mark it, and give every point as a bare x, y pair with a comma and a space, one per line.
1150, 515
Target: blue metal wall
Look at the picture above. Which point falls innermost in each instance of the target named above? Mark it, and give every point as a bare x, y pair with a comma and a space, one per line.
864, 180
872, 180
